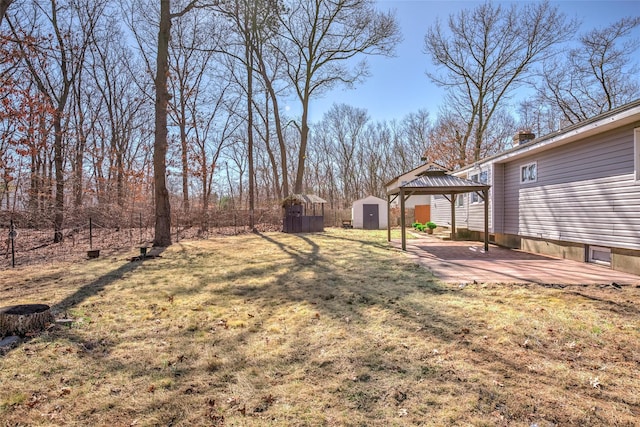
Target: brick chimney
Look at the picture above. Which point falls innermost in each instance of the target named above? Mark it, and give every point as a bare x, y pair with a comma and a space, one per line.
523, 136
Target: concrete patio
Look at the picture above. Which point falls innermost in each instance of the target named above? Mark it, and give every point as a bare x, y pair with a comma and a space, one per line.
466, 262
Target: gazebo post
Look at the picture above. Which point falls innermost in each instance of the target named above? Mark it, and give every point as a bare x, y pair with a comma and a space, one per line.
402, 220
388, 217
485, 196
453, 216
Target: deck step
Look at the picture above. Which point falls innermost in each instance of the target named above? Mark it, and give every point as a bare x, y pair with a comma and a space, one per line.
443, 235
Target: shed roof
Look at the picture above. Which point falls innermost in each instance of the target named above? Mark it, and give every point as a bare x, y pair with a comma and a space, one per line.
309, 198
371, 198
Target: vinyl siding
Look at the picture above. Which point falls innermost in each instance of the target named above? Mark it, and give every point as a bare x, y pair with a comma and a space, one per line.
585, 193
475, 215
497, 199
412, 201
441, 211
469, 215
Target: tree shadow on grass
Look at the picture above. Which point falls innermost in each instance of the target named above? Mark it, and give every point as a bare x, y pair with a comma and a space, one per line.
99, 284
296, 255
423, 315
93, 288
435, 324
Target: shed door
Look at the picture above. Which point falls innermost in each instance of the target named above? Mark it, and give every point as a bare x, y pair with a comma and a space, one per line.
423, 213
370, 218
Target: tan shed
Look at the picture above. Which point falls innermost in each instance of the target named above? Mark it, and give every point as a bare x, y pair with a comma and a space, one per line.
370, 213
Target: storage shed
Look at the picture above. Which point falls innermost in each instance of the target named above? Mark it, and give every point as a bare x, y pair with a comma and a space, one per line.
300, 214
370, 213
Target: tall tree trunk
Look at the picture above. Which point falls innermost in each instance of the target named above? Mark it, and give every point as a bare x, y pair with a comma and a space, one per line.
58, 218
120, 178
249, 57
78, 187
272, 158
205, 201
163, 209
185, 158
284, 190
78, 167
304, 137
81, 143
33, 186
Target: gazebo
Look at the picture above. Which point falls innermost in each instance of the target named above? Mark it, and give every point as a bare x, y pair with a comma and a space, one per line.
438, 182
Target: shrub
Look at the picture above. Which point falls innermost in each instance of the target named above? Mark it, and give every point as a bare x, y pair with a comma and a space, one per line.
431, 225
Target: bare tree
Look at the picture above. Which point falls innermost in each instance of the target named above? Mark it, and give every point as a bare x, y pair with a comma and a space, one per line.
372, 160
214, 131
447, 146
247, 19
323, 40
401, 156
269, 65
162, 236
539, 117
189, 61
56, 68
486, 53
416, 127
112, 69
84, 116
595, 77
344, 125
264, 132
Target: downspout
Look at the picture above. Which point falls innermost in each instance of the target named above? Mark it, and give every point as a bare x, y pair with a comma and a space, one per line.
402, 220
453, 216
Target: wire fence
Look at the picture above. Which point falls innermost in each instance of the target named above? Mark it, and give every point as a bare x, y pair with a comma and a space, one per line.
28, 242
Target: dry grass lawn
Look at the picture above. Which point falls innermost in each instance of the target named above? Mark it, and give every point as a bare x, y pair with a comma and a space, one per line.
334, 329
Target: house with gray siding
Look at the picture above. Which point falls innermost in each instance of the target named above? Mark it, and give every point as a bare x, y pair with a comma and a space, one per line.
572, 194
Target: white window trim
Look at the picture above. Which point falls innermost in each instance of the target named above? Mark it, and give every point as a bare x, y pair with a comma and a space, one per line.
593, 249
474, 197
528, 181
636, 154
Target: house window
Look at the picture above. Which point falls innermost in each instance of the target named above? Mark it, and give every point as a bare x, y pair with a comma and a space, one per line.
599, 255
636, 152
483, 178
529, 173
460, 200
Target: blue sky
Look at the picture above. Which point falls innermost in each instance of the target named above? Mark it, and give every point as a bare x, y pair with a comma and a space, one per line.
398, 86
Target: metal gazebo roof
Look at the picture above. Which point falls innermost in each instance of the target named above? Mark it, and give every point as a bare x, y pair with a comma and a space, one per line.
438, 182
